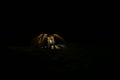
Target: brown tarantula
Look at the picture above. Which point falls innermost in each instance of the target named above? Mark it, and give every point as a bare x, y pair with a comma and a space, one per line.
49, 41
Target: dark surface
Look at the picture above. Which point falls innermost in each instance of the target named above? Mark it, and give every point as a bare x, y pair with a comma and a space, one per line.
76, 61
89, 54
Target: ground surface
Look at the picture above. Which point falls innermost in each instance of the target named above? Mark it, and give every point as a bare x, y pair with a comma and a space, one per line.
74, 60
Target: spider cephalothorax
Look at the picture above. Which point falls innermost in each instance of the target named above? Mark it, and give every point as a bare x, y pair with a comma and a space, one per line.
49, 41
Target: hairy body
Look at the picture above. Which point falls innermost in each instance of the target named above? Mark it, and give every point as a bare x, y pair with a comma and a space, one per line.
47, 41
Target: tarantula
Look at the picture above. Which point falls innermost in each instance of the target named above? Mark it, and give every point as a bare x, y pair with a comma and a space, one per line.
49, 41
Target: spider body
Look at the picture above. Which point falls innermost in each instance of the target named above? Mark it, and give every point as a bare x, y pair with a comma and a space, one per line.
49, 41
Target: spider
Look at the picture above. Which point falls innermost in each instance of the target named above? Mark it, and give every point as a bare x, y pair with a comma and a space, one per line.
49, 41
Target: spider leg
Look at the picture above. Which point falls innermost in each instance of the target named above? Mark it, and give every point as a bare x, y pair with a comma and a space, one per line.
44, 40
44, 36
37, 40
56, 35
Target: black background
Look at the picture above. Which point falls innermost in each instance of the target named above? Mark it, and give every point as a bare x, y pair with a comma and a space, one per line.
84, 26
81, 23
